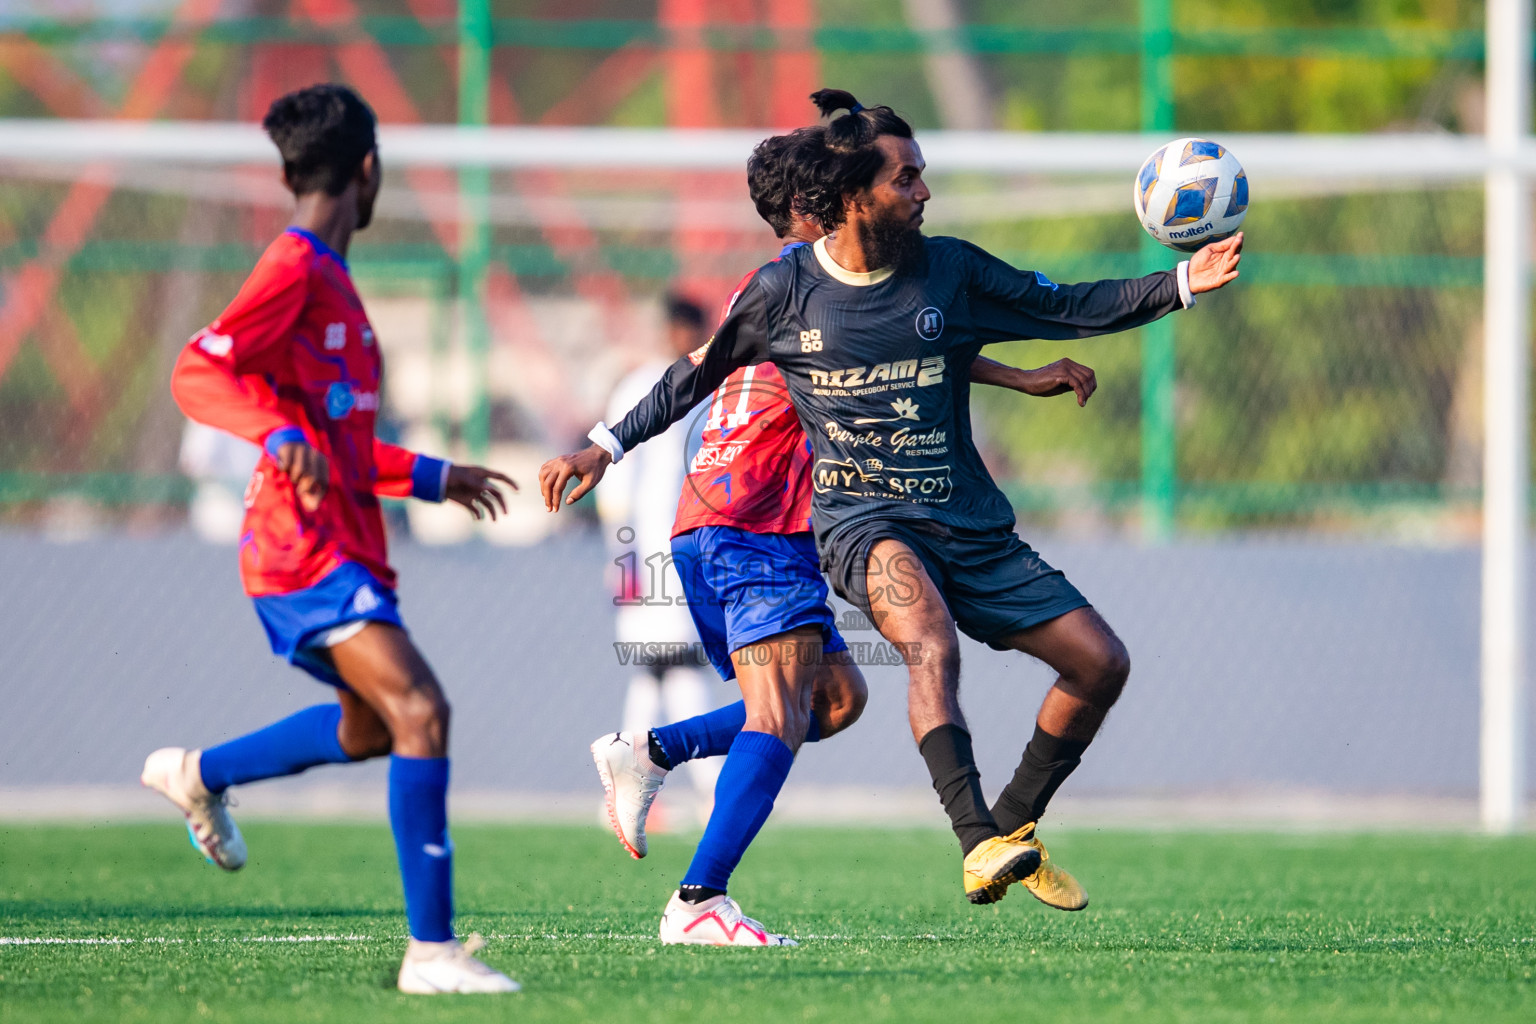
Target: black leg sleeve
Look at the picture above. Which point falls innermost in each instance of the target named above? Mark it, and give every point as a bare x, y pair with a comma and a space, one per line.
1048, 760
947, 751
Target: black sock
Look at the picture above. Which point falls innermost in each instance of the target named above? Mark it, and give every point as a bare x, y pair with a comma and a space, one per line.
1047, 762
947, 751
697, 893
658, 754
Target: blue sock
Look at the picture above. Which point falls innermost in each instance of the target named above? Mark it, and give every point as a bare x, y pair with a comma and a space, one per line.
710, 735
707, 735
754, 773
418, 815
300, 741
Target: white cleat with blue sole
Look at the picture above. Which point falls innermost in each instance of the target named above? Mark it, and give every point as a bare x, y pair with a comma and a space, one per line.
176, 774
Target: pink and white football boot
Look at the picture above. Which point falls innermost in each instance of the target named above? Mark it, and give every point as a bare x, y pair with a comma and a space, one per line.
717, 921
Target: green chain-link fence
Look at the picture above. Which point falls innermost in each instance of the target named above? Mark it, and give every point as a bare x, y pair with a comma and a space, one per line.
1336, 386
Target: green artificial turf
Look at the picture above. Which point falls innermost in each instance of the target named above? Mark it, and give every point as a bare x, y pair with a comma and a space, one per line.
1184, 927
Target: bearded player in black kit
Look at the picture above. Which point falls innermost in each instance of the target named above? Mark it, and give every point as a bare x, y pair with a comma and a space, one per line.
874, 329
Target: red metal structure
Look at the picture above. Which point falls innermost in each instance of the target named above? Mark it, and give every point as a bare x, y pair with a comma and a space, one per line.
285, 44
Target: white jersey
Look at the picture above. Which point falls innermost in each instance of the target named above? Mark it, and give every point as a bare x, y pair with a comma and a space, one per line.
640, 494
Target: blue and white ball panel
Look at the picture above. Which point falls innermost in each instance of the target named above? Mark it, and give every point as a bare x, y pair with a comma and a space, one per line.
1196, 150
1238, 203
1146, 178
1190, 193
302, 623
1191, 202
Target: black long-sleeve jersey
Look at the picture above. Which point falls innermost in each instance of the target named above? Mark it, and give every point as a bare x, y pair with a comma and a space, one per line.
878, 368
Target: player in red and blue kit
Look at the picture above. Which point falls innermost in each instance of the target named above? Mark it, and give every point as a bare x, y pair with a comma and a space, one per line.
293, 365
752, 578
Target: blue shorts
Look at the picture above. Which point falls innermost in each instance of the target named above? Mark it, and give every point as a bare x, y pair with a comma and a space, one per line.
744, 587
303, 623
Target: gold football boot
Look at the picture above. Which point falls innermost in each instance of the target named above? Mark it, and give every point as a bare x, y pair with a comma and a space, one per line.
1050, 883
995, 865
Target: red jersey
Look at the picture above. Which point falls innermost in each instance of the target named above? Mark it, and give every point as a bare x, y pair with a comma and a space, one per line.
294, 358
751, 467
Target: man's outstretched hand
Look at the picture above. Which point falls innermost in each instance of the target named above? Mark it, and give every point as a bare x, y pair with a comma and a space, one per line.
1216, 264
586, 466
475, 488
1059, 378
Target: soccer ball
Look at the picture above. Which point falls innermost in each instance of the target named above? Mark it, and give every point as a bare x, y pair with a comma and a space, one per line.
1191, 192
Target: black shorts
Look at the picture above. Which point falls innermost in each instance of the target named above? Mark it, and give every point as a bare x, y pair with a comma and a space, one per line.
993, 582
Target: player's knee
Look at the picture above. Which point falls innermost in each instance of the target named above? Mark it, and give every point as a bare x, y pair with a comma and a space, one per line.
840, 702
422, 714
1108, 671
855, 696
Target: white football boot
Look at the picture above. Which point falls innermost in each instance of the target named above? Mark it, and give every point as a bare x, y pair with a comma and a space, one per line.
717, 921
177, 775
433, 968
631, 781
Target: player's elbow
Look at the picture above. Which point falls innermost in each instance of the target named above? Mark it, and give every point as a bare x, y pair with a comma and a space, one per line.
189, 382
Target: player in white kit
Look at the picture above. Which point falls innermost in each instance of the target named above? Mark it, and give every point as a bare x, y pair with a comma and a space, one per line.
637, 506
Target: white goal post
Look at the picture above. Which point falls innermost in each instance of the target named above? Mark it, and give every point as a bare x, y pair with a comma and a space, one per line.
1506, 411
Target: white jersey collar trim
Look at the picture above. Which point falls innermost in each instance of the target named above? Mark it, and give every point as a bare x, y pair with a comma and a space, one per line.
832, 267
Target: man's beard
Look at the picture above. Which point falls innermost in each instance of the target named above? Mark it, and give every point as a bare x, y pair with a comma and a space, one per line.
888, 242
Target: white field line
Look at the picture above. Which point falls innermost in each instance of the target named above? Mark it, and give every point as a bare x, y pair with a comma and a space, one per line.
930, 937
113, 940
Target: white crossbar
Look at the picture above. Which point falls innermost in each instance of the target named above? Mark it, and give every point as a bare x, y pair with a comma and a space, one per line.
1401, 155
